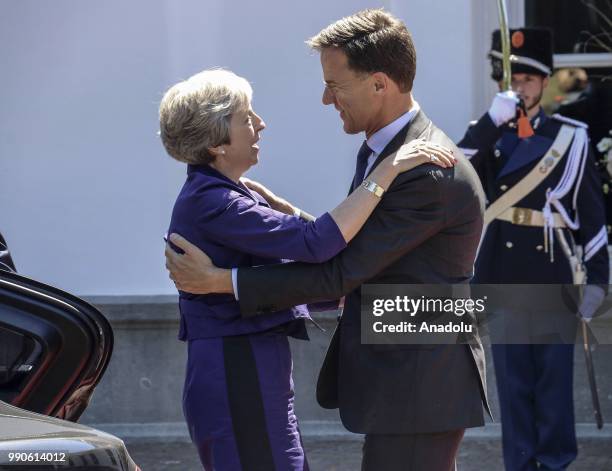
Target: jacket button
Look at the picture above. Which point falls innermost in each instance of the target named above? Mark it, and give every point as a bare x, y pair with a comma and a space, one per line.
539, 248
496, 153
509, 244
503, 187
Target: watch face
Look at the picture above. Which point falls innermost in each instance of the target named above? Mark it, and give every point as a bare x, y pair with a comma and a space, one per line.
373, 187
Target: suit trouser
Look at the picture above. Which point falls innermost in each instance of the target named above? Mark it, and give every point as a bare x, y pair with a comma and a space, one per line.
414, 452
535, 385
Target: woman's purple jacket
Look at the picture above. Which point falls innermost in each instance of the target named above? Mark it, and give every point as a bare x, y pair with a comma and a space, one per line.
236, 227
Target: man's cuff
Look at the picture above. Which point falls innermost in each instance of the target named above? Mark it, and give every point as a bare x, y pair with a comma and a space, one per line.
235, 282
485, 133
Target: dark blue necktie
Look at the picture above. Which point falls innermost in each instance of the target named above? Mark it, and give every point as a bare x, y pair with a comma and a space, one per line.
362, 164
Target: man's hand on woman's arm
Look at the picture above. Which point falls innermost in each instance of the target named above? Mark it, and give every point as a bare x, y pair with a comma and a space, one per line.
193, 271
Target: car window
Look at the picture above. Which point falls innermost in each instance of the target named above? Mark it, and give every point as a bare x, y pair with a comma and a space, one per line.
19, 355
6, 262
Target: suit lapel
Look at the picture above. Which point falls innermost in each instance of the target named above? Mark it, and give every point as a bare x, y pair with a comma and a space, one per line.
418, 127
521, 152
525, 152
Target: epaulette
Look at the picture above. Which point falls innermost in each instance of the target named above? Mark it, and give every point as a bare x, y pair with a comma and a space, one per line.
573, 122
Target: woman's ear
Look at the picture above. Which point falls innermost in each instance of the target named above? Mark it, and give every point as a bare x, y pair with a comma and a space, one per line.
216, 151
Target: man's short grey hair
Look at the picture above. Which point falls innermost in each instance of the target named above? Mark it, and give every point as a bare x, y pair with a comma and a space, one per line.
195, 115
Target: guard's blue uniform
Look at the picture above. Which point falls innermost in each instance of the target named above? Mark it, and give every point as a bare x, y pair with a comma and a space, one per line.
535, 381
238, 394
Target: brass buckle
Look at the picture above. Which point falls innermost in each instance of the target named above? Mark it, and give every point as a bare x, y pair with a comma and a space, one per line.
521, 216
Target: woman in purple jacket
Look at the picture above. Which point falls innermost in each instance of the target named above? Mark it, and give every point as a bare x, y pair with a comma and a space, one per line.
238, 393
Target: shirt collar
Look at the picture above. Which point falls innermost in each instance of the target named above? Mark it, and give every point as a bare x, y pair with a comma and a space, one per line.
379, 140
209, 171
539, 119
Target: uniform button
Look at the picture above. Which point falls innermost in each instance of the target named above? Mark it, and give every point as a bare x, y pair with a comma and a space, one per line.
503, 187
509, 245
496, 153
539, 248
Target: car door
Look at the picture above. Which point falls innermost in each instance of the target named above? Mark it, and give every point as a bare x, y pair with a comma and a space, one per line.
6, 262
54, 347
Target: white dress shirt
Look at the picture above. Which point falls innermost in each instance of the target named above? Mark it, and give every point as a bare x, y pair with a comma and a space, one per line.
381, 138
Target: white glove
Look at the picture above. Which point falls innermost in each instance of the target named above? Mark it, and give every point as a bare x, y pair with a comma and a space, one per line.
503, 108
592, 298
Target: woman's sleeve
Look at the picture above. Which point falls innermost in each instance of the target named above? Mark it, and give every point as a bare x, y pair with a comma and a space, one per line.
260, 230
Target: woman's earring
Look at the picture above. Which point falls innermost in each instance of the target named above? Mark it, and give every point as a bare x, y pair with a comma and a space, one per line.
222, 152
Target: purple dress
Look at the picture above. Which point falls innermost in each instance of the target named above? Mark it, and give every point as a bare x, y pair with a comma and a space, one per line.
238, 393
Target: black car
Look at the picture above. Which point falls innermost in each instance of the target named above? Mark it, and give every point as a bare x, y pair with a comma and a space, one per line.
54, 349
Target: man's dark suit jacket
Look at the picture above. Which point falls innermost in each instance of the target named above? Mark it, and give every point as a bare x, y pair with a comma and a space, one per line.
426, 229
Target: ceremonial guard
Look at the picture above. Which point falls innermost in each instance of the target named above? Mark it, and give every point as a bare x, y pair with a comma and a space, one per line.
544, 199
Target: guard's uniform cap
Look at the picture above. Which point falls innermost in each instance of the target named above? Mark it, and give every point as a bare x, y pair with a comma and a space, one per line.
531, 52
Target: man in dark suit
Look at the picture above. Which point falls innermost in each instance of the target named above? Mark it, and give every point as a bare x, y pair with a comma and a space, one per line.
413, 402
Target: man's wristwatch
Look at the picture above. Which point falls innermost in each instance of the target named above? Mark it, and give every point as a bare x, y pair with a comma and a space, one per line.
373, 187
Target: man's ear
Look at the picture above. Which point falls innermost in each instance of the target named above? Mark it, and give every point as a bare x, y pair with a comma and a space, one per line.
545, 82
380, 82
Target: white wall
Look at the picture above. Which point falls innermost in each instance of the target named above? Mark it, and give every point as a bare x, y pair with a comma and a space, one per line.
86, 189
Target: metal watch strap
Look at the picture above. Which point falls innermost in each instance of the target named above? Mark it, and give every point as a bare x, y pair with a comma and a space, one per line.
373, 187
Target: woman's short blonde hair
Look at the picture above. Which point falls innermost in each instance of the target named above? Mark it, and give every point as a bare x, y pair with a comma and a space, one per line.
194, 115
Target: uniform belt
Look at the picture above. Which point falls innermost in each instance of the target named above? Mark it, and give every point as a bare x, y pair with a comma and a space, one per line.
528, 217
